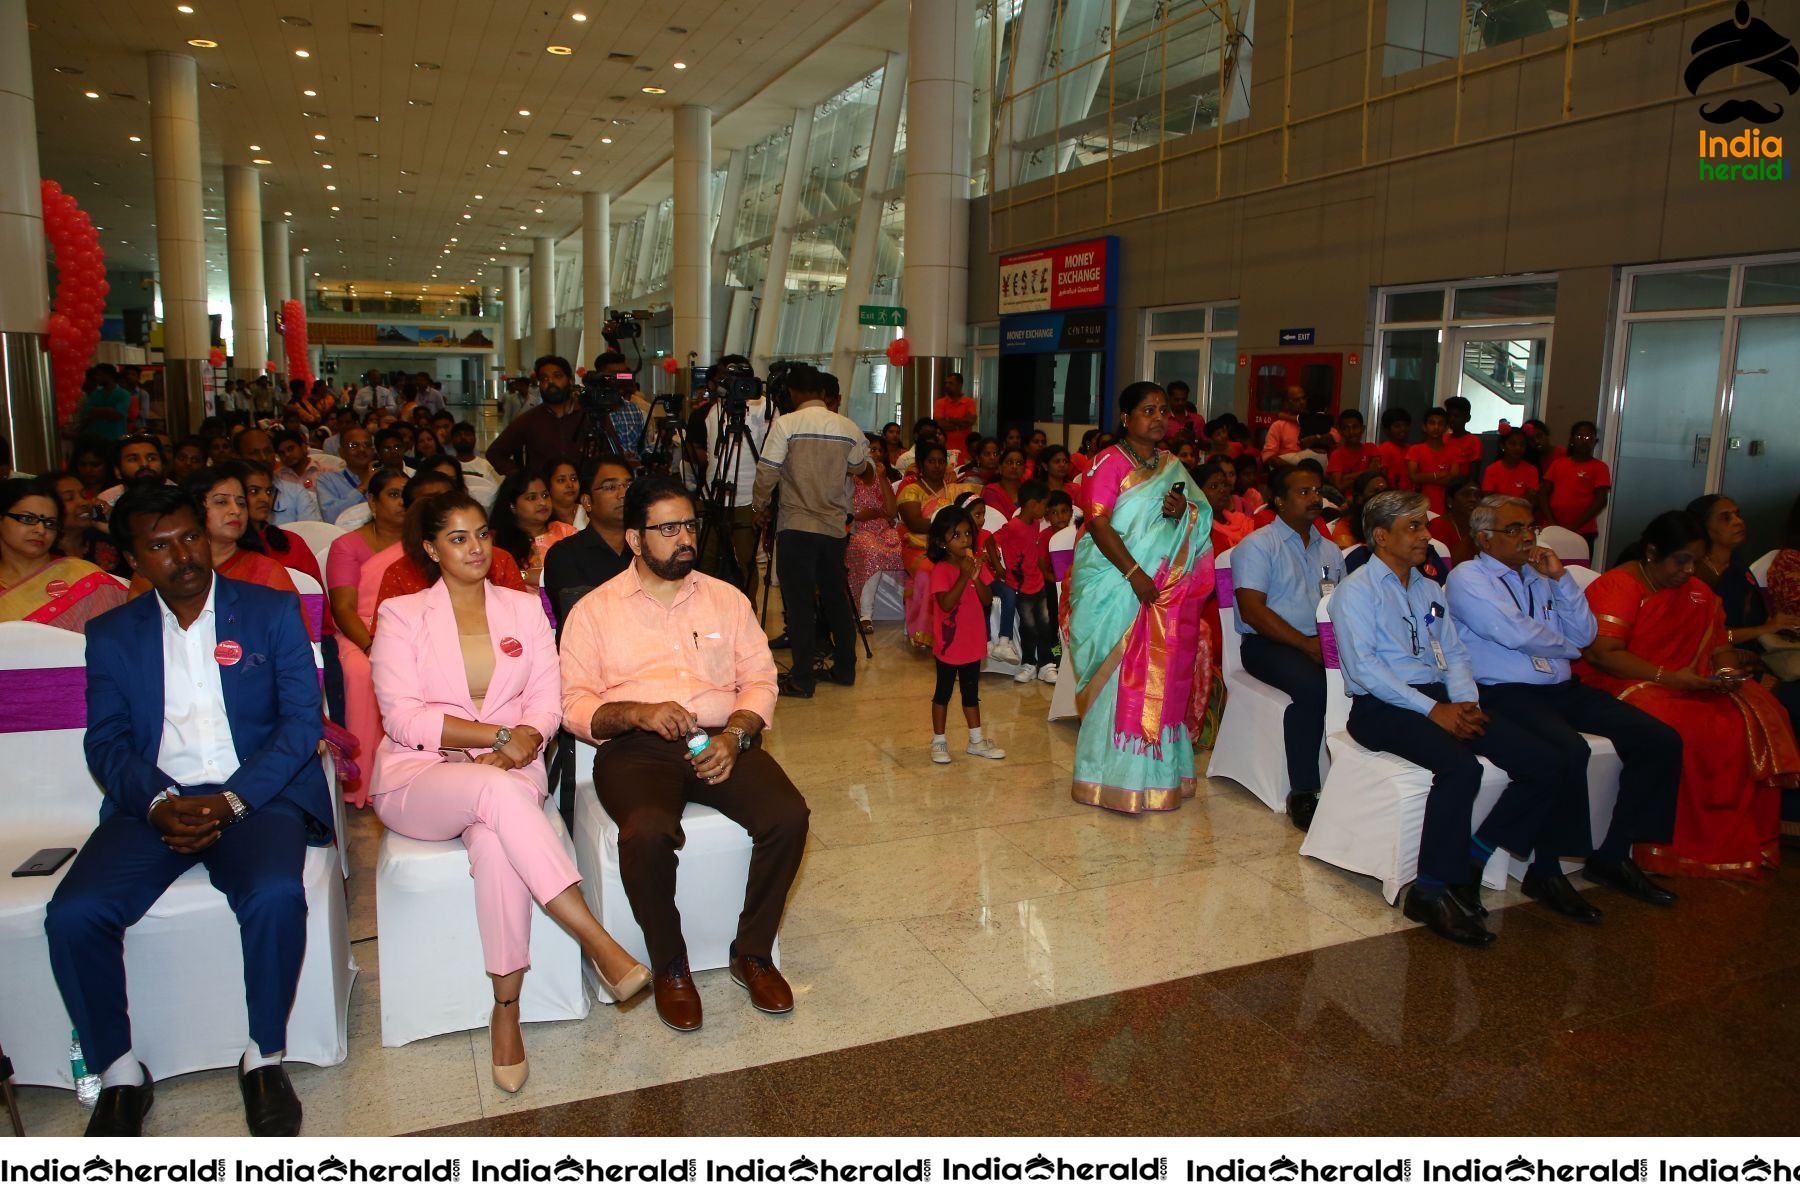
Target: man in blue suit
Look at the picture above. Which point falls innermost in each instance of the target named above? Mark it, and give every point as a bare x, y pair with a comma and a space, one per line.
203, 732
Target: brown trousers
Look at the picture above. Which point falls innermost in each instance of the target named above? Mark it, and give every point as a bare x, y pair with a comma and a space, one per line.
644, 782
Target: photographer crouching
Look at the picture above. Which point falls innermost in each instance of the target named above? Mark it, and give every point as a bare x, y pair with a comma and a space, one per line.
810, 451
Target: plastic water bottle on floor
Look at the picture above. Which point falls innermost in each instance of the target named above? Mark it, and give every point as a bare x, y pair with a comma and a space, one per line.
87, 1084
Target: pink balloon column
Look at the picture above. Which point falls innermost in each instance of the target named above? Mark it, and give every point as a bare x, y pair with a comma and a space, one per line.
74, 327
293, 335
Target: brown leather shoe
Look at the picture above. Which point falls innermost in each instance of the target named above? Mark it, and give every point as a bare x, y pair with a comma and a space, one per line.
677, 999
769, 992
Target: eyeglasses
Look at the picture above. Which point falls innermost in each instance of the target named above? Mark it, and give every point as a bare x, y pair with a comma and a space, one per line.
1412, 630
611, 486
30, 519
1518, 529
670, 528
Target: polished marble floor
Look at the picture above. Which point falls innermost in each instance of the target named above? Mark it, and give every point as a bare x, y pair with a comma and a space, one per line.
934, 897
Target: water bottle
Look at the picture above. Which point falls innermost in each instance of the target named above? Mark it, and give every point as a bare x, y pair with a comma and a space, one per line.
698, 741
87, 1084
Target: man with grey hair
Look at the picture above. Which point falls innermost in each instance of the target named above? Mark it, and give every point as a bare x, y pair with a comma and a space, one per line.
1524, 619
1413, 694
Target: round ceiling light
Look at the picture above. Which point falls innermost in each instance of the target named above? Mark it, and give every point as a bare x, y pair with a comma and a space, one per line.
262, 162
303, 54
650, 90
203, 43
561, 50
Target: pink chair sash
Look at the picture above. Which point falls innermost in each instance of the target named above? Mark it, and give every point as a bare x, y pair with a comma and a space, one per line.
1222, 585
1328, 645
312, 607
43, 698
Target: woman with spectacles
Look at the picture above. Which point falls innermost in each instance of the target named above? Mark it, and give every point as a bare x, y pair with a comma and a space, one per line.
1663, 647
470, 692
37, 583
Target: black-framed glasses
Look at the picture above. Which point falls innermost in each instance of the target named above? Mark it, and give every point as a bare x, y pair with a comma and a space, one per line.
670, 528
29, 519
1412, 631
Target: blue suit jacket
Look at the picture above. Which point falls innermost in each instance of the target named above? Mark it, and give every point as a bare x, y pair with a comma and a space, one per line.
271, 699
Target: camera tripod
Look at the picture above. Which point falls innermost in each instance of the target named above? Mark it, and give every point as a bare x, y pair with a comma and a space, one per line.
719, 503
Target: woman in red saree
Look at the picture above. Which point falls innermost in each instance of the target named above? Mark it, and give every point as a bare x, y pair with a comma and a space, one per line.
1662, 647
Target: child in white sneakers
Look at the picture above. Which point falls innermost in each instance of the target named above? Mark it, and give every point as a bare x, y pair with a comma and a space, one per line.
958, 629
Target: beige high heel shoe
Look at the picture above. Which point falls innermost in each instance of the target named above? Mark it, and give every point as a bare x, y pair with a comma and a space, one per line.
634, 981
510, 1078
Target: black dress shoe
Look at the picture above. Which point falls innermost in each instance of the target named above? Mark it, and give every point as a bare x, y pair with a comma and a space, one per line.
270, 1107
1301, 806
787, 685
1554, 891
120, 1111
780, 643
1626, 876
1469, 896
1442, 915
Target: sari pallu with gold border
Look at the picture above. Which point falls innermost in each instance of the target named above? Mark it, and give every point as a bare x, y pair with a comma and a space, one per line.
1138, 667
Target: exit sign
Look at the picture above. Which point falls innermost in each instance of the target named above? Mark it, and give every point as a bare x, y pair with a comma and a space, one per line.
880, 314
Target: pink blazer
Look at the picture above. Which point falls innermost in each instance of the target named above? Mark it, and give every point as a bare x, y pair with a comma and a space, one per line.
417, 665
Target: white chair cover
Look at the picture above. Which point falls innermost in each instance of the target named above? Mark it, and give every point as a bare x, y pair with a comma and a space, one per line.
327, 462
1759, 570
713, 867
432, 975
481, 490
1568, 545
354, 517
318, 536
1249, 748
1583, 576
184, 960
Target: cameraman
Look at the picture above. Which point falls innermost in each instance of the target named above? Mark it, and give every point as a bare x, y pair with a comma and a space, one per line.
546, 431
810, 451
738, 491
627, 417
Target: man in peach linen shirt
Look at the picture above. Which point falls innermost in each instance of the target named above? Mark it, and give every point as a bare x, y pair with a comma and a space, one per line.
650, 656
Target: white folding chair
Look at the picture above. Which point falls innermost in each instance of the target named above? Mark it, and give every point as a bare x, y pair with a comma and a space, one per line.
1372, 809
1566, 544
1249, 749
354, 517
184, 959
993, 522
318, 536
712, 869
312, 608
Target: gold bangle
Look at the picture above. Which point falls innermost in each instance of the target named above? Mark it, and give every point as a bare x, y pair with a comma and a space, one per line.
1135, 570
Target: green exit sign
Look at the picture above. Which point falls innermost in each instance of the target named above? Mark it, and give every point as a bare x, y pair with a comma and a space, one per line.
879, 314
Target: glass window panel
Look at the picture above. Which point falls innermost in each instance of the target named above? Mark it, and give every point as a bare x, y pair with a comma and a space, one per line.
1225, 316
1181, 320
764, 163
1415, 306
1666, 290
1223, 387
1507, 300
1772, 283
1409, 367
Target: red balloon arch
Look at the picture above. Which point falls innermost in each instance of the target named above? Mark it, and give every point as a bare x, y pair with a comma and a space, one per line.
74, 326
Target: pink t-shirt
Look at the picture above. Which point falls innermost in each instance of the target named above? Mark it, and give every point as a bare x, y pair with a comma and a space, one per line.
958, 637
1022, 547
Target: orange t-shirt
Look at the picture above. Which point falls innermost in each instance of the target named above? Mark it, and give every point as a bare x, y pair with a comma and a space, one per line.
1572, 488
955, 408
1429, 461
1353, 460
1393, 465
1503, 480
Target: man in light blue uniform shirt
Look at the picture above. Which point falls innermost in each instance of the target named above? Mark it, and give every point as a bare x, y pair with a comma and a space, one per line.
1278, 574
1524, 620
1413, 695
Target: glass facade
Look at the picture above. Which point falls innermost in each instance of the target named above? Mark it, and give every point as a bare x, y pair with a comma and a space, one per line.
1487, 340
1422, 32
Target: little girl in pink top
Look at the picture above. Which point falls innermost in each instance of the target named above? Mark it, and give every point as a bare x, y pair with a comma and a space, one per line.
958, 629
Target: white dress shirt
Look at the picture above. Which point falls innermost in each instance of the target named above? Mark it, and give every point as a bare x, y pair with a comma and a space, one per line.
196, 742
381, 399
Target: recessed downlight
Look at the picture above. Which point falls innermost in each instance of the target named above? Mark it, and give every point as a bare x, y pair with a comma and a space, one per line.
203, 43
651, 90
560, 50
262, 162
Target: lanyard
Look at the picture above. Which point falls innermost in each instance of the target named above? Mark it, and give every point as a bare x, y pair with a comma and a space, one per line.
1530, 608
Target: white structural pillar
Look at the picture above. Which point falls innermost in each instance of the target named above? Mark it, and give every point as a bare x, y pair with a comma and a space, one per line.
275, 268
180, 234
244, 262
515, 322
596, 271
691, 257
781, 241
860, 272
28, 418
940, 77
298, 279
543, 296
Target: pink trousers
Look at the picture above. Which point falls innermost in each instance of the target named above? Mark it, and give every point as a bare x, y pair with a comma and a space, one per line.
361, 716
515, 855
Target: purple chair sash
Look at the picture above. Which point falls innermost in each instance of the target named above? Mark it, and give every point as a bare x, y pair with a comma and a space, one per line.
43, 698
1222, 585
1328, 645
312, 607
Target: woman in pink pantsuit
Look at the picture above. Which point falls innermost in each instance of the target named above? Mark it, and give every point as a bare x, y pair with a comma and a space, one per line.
466, 677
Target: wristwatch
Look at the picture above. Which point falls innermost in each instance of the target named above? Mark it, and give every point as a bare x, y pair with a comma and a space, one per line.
239, 810
502, 737
743, 739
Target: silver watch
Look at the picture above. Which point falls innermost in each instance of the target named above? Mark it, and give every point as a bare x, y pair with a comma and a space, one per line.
743, 738
502, 737
239, 810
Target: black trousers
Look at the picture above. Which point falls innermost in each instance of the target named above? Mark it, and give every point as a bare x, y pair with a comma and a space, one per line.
951, 675
1559, 713
1037, 627
1534, 815
1303, 725
812, 572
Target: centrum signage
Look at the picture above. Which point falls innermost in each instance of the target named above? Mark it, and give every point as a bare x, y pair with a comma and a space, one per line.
1073, 275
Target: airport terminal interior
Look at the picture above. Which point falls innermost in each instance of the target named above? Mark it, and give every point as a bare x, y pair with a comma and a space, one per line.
1293, 208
